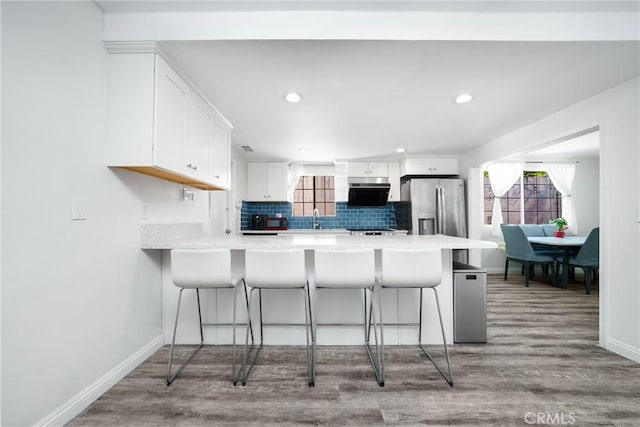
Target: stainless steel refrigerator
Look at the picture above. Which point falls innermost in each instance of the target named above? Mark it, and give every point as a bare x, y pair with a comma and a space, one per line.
436, 206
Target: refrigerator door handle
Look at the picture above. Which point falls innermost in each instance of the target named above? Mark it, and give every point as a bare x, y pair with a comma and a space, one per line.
443, 210
439, 212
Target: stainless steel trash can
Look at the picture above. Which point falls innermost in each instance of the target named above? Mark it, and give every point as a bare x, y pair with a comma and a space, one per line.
469, 304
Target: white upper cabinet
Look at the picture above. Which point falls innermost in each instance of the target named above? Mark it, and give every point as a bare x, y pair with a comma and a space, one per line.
278, 181
159, 125
197, 157
429, 166
256, 182
171, 149
221, 152
368, 169
267, 181
394, 180
341, 182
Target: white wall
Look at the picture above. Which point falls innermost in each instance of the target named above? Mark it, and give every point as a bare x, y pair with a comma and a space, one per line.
616, 112
223, 200
373, 24
79, 298
0, 220
586, 194
240, 184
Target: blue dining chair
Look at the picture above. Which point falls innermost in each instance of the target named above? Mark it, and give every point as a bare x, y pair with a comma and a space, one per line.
548, 229
588, 258
518, 249
536, 230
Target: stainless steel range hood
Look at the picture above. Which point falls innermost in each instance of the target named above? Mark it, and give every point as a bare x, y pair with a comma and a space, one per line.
368, 192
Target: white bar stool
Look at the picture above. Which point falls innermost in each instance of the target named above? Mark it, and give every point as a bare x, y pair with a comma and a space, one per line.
276, 269
349, 269
203, 269
413, 268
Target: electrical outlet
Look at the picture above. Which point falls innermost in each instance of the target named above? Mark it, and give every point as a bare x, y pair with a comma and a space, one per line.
187, 195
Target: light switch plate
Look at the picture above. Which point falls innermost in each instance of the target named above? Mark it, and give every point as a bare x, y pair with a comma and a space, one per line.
78, 208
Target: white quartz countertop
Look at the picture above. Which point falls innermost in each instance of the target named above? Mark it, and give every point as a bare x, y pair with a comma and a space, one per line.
299, 231
315, 241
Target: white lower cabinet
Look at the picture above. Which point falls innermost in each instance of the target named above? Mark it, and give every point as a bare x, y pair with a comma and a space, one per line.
159, 125
267, 182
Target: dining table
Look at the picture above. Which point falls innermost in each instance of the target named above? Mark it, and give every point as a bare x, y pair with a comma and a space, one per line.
568, 244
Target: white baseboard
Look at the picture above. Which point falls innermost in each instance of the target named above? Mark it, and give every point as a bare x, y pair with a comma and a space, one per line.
86, 397
624, 350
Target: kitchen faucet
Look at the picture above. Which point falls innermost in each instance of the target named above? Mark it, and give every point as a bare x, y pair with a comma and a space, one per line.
316, 219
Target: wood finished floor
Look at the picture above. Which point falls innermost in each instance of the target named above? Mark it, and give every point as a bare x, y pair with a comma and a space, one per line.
542, 357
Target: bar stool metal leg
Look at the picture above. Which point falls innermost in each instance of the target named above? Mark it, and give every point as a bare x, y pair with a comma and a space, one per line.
381, 336
444, 340
235, 294
236, 376
309, 334
170, 377
376, 362
315, 337
246, 298
248, 363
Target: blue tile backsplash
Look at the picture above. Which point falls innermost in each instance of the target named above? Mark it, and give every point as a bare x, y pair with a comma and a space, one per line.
372, 218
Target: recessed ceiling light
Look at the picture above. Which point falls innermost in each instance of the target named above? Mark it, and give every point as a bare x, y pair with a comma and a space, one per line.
292, 97
463, 98
303, 150
400, 150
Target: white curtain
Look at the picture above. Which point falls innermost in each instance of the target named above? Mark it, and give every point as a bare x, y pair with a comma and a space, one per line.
561, 175
502, 176
295, 172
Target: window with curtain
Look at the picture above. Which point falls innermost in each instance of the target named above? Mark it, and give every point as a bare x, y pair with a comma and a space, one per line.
314, 192
533, 199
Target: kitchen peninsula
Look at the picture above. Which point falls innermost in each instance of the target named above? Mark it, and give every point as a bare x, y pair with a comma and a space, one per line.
285, 306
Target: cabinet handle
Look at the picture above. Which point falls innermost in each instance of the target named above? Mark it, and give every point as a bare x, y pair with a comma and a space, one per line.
195, 168
189, 165
217, 176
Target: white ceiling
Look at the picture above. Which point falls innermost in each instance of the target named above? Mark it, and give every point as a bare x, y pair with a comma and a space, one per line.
583, 146
129, 6
365, 98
